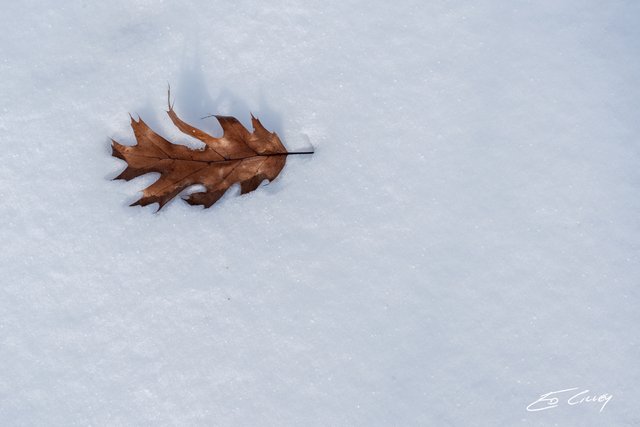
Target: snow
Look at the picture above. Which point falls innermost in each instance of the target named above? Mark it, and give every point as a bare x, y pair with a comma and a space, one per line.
465, 238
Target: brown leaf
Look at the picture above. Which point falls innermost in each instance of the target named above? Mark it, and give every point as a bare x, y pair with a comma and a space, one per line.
238, 156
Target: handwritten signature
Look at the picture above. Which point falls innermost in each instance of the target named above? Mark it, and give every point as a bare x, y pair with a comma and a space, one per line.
550, 400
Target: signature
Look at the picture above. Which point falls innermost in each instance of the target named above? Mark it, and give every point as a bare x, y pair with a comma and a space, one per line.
551, 400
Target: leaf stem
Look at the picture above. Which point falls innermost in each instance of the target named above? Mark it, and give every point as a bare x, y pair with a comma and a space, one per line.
288, 153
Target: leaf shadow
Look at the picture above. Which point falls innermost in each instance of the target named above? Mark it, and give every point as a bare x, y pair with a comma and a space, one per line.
194, 100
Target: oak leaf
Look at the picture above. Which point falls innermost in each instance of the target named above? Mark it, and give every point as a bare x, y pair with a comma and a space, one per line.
238, 156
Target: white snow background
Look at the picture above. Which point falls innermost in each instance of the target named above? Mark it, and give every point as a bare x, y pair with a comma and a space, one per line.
465, 238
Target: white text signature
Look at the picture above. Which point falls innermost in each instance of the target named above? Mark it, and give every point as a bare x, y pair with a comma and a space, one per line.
573, 397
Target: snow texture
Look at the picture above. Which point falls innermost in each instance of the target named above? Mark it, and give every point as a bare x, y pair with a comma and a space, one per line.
465, 238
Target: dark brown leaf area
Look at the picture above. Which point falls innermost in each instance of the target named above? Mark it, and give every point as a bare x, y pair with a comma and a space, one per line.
238, 156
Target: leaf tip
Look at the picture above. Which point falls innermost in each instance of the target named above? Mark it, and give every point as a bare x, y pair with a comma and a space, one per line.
116, 150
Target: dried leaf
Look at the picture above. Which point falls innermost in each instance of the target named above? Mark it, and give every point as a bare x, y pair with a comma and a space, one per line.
238, 156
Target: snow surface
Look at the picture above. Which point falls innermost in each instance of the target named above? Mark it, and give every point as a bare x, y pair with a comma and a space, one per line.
465, 238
